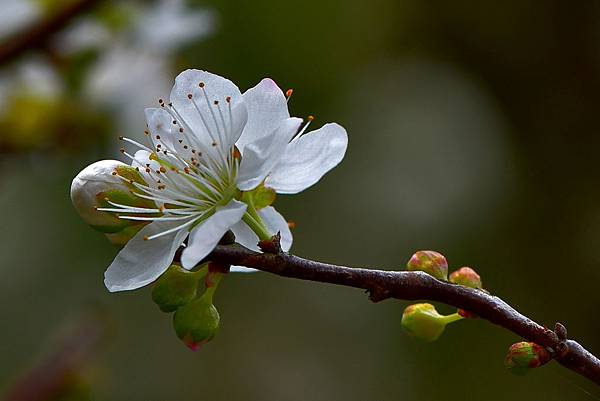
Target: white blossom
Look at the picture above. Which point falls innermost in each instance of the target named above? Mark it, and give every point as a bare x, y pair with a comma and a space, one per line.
209, 149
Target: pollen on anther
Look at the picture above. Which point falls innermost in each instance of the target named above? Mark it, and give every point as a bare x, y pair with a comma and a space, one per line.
160, 101
174, 122
162, 169
180, 129
190, 96
146, 238
201, 84
185, 146
148, 169
114, 173
288, 93
146, 133
216, 102
120, 138
228, 99
157, 136
310, 118
291, 224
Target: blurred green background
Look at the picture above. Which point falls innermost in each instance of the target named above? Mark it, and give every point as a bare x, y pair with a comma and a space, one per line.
473, 131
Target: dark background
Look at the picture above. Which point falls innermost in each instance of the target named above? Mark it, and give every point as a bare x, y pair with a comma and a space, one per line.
473, 131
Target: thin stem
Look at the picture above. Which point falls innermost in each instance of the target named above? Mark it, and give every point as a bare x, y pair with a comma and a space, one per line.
411, 285
452, 318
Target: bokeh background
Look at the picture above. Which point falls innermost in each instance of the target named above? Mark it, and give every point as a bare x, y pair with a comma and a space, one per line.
473, 131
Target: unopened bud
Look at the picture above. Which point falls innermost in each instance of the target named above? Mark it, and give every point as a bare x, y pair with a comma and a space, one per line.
430, 262
524, 356
101, 182
175, 288
467, 277
196, 323
424, 322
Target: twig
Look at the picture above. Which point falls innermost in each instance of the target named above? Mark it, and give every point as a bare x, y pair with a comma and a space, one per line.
39, 34
410, 285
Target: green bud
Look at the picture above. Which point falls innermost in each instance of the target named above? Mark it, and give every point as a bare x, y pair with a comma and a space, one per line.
467, 277
430, 262
424, 322
196, 323
100, 183
175, 287
524, 356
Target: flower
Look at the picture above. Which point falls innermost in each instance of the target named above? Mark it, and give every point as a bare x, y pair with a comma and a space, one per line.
210, 150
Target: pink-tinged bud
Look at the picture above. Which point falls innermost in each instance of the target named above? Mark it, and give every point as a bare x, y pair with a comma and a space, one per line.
467, 277
524, 356
196, 323
424, 322
431, 262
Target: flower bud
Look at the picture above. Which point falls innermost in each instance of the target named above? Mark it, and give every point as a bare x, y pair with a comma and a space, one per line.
196, 323
99, 183
467, 277
174, 288
524, 356
430, 262
424, 322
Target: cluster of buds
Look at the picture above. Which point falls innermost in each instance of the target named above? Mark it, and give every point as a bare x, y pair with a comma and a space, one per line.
196, 319
422, 320
524, 356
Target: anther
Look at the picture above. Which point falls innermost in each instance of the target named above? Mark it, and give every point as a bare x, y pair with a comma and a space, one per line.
148, 169
185, 146
214, 144
146, 133
146, 238
228, 99
310, 118
190, 96
122, 150
288, 93
120, 138
161, 102
181, 130
216, 102
180, 141
114, 173
162, 169
175, 122
157, 136
201, 84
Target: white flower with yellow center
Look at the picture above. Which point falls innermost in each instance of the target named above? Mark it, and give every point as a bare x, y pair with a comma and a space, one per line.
213, 155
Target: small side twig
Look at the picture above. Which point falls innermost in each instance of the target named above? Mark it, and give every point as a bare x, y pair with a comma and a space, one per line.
411, 285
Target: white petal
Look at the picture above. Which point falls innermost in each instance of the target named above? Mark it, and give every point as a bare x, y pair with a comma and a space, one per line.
267, 107
207, 234
260, 156
308, 158
160, 123
246, 237
216, 88
274, 221
141, 261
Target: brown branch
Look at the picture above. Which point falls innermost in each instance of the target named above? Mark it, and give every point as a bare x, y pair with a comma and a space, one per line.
409, 285
38, 35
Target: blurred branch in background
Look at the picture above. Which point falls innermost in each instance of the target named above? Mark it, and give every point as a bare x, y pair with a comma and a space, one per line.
58, 376
39, 34
408, 285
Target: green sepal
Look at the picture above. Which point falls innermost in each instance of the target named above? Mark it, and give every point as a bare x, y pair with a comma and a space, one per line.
263, 196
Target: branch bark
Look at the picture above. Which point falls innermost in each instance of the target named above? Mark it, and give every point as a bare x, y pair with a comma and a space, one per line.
38, 35
410, 285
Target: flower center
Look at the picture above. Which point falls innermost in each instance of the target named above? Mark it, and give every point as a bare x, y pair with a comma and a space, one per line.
189, 169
